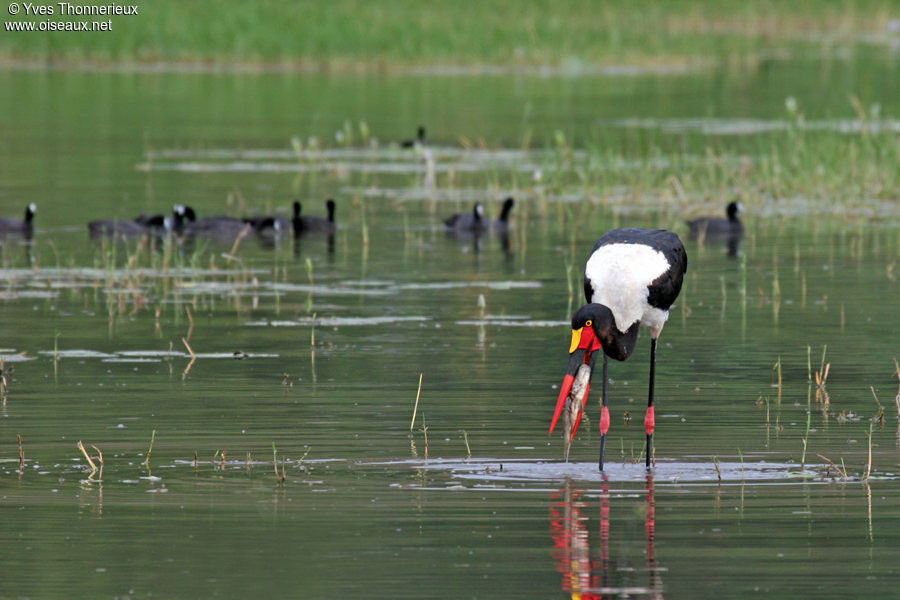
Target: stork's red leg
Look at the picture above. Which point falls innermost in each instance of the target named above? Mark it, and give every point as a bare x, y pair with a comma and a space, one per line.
650, 419
604, 411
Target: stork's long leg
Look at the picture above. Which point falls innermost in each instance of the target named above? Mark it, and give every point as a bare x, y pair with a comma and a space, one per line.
604, 411
650, 419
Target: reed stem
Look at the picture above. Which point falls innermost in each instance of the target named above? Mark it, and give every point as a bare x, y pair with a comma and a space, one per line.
416, 406
150, 450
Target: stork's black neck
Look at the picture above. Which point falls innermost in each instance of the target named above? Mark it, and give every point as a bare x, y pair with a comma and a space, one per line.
620, 345
617, 344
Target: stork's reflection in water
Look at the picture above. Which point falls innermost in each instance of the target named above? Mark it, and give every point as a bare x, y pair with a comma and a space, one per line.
586, 573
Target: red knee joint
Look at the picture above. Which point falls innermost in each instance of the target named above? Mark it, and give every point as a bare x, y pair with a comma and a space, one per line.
604, 420
650, 421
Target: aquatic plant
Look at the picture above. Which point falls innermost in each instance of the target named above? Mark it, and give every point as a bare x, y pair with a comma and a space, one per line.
21, 448
279, 475
416, 405
90, 459
5, 373
150, 450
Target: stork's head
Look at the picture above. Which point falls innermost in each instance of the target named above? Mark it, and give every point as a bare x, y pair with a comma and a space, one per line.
593, 329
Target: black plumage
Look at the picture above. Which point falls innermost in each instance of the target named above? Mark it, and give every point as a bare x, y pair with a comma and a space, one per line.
272, 224
304, 224
471, 221
141, 225
502, 223
716, 227
182, 216
477, 222
11, 225
418, 141
217, 226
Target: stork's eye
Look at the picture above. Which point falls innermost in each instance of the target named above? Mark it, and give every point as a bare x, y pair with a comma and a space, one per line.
588, 323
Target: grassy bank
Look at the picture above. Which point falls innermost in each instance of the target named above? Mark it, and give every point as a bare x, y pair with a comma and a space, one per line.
359, 34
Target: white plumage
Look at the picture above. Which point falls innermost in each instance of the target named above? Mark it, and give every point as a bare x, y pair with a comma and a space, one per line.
620, 275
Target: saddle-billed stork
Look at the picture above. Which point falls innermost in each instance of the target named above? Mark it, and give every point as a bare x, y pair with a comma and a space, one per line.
631, 278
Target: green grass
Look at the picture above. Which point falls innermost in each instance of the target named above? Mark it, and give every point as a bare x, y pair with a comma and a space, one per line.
856, 171
366, 34
816, 165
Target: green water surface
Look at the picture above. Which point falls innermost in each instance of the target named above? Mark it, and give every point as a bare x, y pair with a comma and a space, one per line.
332, 336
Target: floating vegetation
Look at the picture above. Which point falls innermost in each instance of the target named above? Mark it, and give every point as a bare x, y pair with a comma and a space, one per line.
338, 321
125, 291
746, 127
131, 360
67, 278
491, 285
27, 295
364, 160
511, 322
684, 473
75, 353
328, 290
138, 356
18, 357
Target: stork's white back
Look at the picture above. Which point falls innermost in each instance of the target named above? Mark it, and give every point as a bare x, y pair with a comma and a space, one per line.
620, 276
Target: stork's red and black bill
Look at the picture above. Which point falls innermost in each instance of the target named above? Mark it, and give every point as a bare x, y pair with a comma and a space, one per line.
584, 344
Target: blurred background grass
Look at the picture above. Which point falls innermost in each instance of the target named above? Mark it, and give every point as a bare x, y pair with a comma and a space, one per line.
369, 35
